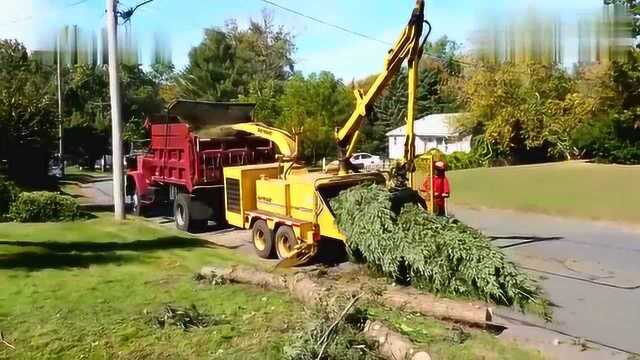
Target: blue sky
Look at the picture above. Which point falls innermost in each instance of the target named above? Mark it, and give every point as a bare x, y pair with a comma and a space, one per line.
319, 47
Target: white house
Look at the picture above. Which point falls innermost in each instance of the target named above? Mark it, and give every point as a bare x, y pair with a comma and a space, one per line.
433, 131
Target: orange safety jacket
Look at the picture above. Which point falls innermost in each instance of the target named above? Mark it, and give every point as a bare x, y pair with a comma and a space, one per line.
441, 189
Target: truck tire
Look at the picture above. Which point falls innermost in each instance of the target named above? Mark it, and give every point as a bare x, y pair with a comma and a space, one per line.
286, 242
137, 209
262, 238
182, 215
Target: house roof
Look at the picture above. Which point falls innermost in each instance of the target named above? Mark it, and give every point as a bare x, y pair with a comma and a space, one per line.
432, 125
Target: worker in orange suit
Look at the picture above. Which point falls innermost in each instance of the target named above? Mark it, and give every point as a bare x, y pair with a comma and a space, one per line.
441, 190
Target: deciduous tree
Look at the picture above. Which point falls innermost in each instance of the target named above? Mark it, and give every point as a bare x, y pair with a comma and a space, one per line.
27, 115
527, 112
318, 103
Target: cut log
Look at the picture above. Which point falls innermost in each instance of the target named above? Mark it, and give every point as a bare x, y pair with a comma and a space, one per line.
309, 291
300, 286
445, 309
392, 345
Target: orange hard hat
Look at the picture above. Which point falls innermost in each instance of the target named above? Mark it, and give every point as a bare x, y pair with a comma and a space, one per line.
440, 165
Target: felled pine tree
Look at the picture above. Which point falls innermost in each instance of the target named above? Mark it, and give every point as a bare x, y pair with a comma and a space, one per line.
432, 253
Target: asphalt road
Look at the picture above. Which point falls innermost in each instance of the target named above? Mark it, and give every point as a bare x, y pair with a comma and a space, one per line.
590, 271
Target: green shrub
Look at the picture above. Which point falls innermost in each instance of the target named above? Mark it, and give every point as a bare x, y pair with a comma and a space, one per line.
43, 206
456, 161
8, 194
461, 160
432, 253
612, 139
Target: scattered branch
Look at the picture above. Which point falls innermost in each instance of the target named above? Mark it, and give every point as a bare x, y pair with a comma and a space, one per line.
325, 339
3, 341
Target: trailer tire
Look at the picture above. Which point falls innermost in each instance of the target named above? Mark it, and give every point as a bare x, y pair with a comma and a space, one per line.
286, 242
182, 215
262, 239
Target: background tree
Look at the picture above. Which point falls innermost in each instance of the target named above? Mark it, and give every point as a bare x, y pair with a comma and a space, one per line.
526, 112
634, 10
318, 103
614, 135
212, 72
27, 115
165, 76
241, 64
87, 109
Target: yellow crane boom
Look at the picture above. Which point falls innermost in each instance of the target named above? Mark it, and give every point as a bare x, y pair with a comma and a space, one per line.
409, 46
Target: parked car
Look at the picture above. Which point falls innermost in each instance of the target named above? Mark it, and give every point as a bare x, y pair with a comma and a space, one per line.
56, 167
366, 161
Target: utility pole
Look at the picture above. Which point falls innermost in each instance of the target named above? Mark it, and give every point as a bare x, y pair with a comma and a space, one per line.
116, 111
60, 148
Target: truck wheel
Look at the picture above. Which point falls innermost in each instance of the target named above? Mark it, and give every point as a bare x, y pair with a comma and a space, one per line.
137, 209
262, 238
286, 242
182, 215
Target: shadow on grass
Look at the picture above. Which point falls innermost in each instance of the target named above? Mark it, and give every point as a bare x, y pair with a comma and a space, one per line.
166, 243
75, 196
84, 178
39, 261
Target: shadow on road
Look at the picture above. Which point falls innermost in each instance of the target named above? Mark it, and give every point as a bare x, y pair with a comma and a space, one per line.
526, 240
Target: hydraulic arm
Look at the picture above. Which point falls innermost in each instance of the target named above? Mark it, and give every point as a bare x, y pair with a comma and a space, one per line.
409, 46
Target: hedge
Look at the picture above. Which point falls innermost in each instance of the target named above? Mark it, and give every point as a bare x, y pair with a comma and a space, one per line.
8, 194
43, 206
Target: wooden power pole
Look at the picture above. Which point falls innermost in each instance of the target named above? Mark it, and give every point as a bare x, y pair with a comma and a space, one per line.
116, 111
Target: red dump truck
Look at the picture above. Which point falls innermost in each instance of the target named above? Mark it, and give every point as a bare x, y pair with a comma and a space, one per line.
183, 165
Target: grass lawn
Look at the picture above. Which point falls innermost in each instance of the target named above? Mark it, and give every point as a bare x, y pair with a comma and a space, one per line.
75, 170
89, 290
576, 189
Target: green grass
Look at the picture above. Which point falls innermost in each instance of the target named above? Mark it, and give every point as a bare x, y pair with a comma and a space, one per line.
75, 170
89, 290
592, 191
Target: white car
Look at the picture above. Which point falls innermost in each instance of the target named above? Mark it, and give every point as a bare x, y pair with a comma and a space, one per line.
366, 161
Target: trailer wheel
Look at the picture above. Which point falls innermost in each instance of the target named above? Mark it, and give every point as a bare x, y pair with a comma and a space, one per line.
182, 215
286, 242
262, 238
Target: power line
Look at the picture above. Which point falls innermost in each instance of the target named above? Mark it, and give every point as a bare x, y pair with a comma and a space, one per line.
320, 21
352, 32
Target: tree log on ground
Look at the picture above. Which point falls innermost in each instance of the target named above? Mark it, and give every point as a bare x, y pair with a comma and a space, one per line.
392, 345
414, 301
309, 291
